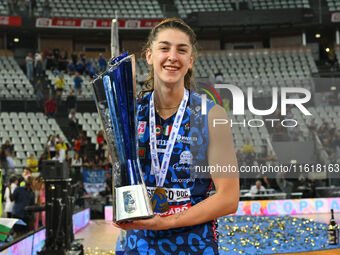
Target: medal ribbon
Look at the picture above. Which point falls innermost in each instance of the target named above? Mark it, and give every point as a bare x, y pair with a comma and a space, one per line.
160, 172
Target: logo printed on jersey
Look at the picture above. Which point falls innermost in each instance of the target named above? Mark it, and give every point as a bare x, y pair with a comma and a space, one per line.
159, 130
162, 142
185, 158
141, 128
173, 194
141, 152
167, 130
187, 126
175, 209
186, 139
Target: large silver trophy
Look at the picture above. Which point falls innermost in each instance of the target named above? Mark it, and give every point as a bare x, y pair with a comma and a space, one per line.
116, 104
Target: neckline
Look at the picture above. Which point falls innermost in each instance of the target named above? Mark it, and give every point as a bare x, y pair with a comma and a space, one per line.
167, 119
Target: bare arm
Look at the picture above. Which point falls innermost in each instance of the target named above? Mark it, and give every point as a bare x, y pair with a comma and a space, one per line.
224, 201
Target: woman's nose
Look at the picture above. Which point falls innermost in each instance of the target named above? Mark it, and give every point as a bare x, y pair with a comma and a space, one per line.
172, 55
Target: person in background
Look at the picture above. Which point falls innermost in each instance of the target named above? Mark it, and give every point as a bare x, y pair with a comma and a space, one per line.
22, 197
39, 190
80, 67
10, 162
219, 77
25, 174
73, 123
108, 186
100, 145
29, 66
52, 146
50, 107
71, 102
8, 147
39, 97
38, 64
83, 143
78, 83
59, 84
102, 63
79, 195
62, 149
86, 161
13, 183
57, 157
76, 164
248, 152
257, 189
32, 163
70, 68
46, 8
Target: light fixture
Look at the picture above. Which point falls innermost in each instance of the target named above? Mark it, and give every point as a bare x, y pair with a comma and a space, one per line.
293, 161
327, 50
317, 35
333, 88
16, 39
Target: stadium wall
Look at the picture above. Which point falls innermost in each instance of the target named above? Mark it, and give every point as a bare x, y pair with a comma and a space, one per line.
287, 41
61, 44
209, 44
1, 41
254, 44
81, 45
133, 46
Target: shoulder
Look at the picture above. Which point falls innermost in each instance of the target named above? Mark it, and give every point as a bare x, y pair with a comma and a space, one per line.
197, 99
143, 102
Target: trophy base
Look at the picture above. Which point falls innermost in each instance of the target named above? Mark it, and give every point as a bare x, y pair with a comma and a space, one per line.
132, 202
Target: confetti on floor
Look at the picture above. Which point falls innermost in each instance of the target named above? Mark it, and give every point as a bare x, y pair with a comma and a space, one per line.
248, 235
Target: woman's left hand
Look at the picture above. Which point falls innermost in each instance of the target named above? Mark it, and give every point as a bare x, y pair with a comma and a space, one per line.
154, 223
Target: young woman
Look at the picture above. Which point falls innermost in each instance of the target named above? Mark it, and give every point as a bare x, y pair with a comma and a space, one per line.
170, 119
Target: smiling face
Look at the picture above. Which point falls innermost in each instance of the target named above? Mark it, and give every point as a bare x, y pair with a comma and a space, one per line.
170, 55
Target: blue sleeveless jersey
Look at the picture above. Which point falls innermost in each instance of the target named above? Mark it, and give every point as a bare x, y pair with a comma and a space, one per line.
183, 190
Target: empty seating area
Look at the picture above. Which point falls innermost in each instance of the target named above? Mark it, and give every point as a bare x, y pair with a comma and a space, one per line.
28, 132
279, 4
3, 7
333, 5
13, 82
90, 123
257, 136
86, 91
185, 7
103, 9
262, 68
329, 113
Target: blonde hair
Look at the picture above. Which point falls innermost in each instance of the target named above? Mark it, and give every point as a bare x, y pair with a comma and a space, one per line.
170, 23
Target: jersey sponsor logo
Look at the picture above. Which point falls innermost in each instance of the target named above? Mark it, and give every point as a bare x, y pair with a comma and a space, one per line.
162, 142
142, 108
173, 209
185, 158
186, 139
173, 194
141, 152
159, 130
167, 130
141, 128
